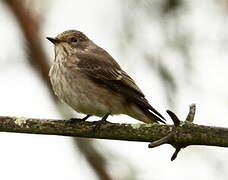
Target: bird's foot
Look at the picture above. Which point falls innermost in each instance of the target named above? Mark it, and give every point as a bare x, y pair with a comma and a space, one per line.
101, 122
77, 120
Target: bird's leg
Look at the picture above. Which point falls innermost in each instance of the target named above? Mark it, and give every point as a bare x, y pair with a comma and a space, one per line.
73, 120
102, 121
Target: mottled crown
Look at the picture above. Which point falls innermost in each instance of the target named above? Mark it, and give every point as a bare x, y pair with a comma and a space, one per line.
71, 33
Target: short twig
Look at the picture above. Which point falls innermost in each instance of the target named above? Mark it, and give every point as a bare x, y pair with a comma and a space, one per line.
173, 116
175, 153
189, 118
191, 114
161, 141
169, 137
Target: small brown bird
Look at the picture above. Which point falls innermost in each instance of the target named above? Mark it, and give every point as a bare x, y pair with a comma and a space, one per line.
89, 80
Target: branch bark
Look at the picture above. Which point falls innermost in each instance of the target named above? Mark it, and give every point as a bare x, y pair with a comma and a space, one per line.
184, 135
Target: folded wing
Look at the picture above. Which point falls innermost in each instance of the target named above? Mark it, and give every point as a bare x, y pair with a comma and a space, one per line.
103, 69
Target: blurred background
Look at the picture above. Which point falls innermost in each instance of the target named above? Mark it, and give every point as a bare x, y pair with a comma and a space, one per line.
175, 50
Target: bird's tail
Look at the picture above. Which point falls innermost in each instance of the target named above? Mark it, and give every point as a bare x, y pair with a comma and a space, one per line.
143, 111
154, 117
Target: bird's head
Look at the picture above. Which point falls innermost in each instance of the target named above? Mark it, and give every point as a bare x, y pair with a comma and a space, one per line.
71, 40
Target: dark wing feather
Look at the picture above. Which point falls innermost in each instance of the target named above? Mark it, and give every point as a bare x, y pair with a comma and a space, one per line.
103, 69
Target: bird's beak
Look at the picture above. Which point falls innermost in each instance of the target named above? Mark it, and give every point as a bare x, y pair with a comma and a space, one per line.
53, 40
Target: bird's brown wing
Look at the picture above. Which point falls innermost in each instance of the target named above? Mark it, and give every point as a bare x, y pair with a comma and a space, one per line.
103, 69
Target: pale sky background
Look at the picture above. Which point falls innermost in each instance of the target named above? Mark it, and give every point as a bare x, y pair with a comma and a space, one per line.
25, 156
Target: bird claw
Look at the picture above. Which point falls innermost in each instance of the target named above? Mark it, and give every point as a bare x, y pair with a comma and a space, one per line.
77, 120
74, 120
99, 124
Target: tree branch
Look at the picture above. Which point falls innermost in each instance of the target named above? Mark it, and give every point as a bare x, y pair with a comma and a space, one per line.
184, 135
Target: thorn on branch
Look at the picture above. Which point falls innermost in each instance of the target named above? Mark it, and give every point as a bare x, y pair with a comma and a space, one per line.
168, 138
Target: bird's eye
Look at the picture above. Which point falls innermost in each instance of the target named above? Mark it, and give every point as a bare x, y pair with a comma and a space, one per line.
73, 39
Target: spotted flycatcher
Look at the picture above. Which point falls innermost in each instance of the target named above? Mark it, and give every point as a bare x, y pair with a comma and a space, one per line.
89, 80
